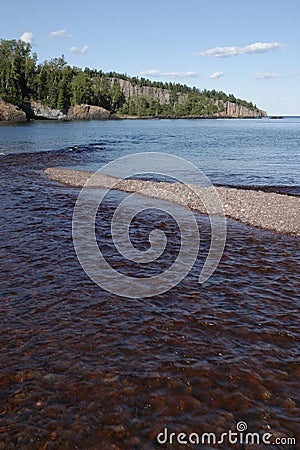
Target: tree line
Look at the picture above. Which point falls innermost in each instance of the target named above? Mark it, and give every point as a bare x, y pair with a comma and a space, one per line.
59, 86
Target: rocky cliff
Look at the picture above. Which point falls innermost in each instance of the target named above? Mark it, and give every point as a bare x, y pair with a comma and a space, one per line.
235, 110
163, 95
11, 113
232, 110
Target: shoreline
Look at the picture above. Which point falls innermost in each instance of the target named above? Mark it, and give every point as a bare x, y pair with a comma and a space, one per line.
265, 210
215, 117
118, 118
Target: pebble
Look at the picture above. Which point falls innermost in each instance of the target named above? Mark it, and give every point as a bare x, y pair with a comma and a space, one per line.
266, 395
50, 377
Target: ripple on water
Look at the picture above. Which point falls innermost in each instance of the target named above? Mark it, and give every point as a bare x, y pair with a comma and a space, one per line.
82, 367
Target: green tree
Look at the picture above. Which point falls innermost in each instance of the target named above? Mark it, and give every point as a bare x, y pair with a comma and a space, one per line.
17, 71
81, 89
58, 85
51, 81
116, 96
101, 91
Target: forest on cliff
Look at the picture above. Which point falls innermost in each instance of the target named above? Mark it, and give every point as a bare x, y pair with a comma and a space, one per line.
59, 86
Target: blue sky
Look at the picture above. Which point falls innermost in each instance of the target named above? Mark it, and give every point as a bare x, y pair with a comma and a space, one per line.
207, 44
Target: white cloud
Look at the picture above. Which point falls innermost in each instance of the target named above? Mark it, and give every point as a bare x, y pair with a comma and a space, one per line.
216, 75
82, 50
156, 74
267, 75
27, 37
257, 47
59, 34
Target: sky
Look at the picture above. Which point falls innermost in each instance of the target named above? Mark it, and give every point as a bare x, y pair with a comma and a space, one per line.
250, 49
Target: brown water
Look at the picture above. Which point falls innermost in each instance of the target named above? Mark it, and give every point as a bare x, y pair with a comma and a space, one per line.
84, 369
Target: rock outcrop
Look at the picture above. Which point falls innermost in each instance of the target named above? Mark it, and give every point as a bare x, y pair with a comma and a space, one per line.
11, 113
87, 112
36, 110
163, 95
238, 111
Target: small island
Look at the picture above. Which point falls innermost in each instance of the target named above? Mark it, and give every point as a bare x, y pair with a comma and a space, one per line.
53, 90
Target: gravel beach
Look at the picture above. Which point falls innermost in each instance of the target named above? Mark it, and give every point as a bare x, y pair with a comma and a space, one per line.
270, 211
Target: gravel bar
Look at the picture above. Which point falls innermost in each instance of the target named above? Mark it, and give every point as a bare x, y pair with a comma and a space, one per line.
270, 211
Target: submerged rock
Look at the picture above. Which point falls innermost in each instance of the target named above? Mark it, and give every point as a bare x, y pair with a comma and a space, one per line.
51, 377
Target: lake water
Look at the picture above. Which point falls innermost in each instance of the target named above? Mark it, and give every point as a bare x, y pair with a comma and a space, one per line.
237, 152
83, 368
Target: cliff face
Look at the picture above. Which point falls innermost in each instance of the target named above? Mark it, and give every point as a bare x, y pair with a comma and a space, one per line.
238, 111
232, 110
11, 113
163, 95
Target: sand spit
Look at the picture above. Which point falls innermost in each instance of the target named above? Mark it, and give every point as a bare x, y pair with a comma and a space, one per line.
270, 211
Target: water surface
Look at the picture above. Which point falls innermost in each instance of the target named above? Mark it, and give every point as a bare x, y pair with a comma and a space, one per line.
82, 368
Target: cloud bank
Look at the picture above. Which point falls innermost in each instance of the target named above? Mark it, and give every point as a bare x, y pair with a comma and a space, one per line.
257, 47
27, 37
156, 73
59, 34
267, 75
82, 50
216, 75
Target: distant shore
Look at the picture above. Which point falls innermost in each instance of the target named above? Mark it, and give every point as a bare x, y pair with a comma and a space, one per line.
269, 211
214, 116
35, 110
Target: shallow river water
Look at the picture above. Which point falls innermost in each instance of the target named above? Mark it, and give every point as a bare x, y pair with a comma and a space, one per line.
83, 368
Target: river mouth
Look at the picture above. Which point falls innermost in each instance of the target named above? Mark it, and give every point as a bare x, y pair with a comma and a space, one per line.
83, 368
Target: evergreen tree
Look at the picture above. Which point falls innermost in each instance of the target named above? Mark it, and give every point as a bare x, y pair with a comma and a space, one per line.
58, 85
17, 71
81, 89
117, 98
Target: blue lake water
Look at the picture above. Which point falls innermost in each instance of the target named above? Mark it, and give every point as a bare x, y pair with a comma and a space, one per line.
234, 152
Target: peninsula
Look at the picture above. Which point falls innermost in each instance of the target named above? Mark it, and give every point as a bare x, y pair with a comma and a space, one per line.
56, 91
